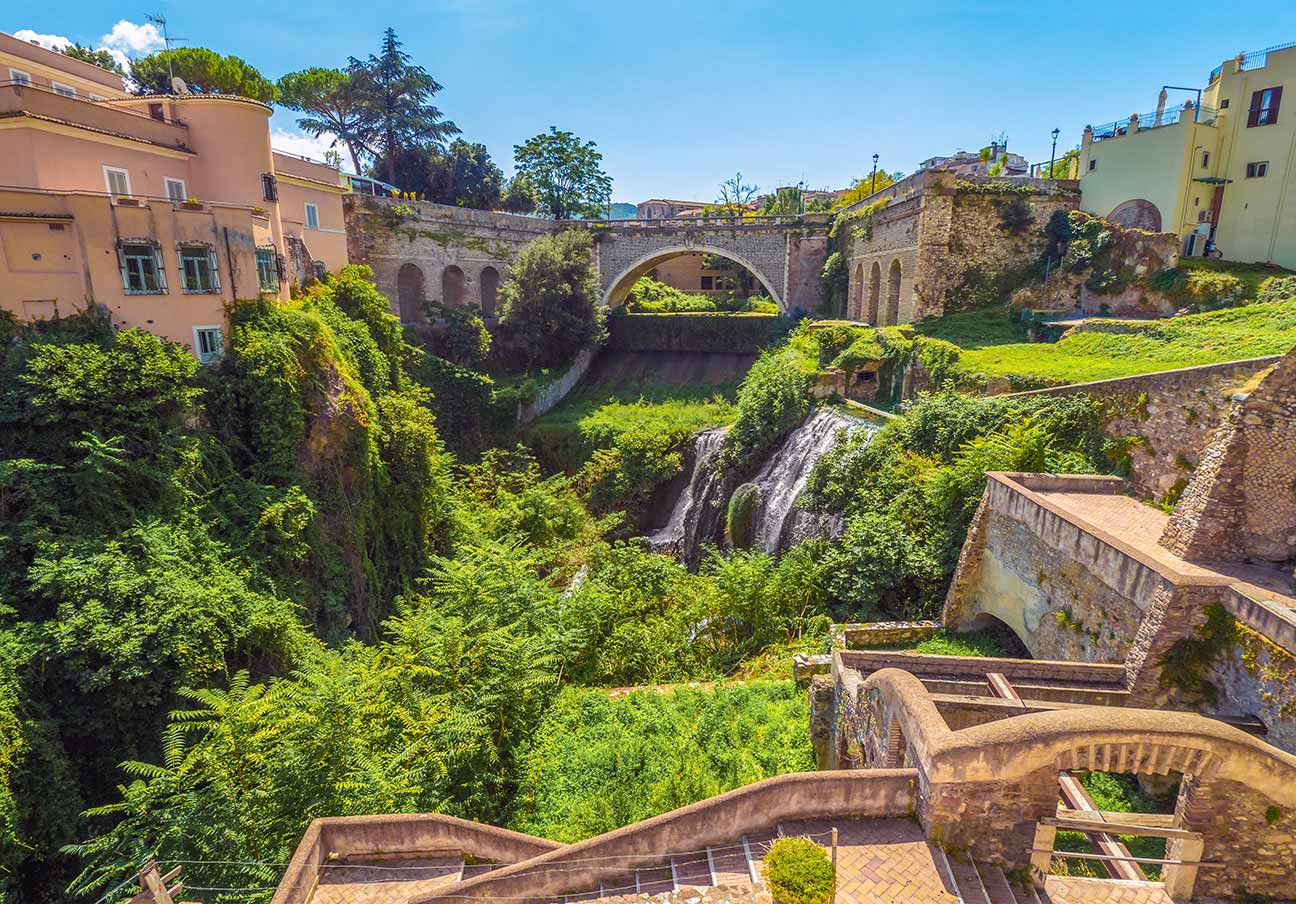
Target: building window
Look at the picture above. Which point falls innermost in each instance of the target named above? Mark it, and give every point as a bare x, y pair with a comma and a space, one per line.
175, 189
269, 188
708, 282
1205, 159
1224, 104
65, 90
141, 268
198, 270
1257, 170
209, 344
18, 77
1093, 164
158, 112
319, 270
118, 182
267, 269
1264, 107
312, 216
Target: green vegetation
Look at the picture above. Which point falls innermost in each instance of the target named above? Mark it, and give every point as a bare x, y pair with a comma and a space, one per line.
648, 296
598, 762
799, 872
563, 174
952, 643
549, 303
1119, 793
204, 72
773, 399
703, 331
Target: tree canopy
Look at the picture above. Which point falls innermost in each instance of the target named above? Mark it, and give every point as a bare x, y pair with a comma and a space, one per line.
550, 299
101, 58
204, 72
564, 174
462, 175
331, 104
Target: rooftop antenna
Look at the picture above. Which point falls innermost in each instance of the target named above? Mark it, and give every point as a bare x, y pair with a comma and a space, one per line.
160, 21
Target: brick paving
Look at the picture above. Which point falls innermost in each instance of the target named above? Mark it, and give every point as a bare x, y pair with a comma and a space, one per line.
1140, 526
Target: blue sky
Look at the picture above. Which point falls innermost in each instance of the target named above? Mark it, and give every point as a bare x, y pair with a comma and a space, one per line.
679, 95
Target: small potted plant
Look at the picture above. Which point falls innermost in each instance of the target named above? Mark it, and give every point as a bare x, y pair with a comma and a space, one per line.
191, 204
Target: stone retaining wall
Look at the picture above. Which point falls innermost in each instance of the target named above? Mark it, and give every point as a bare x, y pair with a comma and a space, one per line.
556, 391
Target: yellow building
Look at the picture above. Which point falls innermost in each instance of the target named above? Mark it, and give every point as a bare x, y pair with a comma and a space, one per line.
1216, 170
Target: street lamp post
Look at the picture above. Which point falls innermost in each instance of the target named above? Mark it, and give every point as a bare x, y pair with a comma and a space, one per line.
873, 181
1053, 153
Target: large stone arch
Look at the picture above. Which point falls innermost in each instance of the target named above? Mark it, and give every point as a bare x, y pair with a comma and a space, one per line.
894, 276
875, 293
1136, 214
619, 285
411, 291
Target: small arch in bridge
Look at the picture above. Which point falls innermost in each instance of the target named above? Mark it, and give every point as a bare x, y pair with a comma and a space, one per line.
452, 286
617, 289
489, 290
410, 293
857, 300
1001, 632
893, 293
875, 293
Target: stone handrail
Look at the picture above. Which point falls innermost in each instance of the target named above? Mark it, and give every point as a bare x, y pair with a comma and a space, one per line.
1011, 749
407, 833
718, 820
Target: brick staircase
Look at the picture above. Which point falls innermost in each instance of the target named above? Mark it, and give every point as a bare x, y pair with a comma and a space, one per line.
735, 864
982, 883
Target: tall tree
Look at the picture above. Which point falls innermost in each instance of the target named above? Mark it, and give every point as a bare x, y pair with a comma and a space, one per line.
331, 104
464, 175
734, 195
395, 98
101, 58
564, 174
204, 71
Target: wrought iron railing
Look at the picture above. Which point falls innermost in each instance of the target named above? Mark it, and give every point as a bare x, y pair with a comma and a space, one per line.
1252, 59
1153, 120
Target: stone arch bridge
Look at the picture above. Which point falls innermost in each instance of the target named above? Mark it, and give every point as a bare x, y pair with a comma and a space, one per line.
458, 257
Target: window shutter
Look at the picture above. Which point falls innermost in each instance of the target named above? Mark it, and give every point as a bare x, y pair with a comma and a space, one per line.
215, 269
161, 268
1273, 104
281, 266
121, 265
1253, 115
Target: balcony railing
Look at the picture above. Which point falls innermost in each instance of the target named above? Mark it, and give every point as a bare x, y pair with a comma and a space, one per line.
1252, 59
104, 116
1167, 117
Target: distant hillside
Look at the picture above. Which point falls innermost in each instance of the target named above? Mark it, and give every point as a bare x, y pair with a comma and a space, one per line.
623, 211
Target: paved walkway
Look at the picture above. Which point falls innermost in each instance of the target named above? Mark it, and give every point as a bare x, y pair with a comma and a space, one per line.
1072, 890
1140, 526
882, 860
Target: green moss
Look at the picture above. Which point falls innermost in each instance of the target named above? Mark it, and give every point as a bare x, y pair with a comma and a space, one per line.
1188, 662
740, 519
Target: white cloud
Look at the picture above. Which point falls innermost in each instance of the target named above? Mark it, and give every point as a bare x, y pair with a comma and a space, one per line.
132, 39
50, 42
305, 145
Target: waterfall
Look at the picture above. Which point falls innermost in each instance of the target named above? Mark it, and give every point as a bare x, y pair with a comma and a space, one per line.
682, 531
779, 523
698, 514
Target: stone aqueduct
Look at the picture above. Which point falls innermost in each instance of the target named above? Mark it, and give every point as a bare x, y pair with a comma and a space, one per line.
459, 257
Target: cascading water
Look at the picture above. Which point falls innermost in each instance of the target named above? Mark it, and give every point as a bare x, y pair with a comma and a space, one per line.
690, 512
778, 522
698, 514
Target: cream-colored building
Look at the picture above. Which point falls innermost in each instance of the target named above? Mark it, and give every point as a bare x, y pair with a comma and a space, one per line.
1217, 172
161, 210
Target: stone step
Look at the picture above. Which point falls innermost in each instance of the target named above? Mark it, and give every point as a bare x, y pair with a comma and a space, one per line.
692, 871
729, 865
997, 887
968, 882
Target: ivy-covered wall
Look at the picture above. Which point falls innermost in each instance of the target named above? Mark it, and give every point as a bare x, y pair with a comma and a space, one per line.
701, 332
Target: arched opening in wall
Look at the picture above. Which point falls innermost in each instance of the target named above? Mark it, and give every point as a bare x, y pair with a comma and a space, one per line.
715, 278
893, 294
452, 286
410, 293
857, 297
999, 634
1147, 797
875, 292
1136, 214
489, 290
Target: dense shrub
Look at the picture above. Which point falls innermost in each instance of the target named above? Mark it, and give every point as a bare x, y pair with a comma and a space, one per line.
696, 332
799, 872
740, 518
1198, 289
1277, 288
773, 398
550, 302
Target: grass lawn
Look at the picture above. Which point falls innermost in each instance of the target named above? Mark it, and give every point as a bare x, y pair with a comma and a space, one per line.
1138, 347
594, 414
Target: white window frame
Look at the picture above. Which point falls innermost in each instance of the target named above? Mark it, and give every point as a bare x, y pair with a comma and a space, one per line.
65, 90
168, 181
108, 182
210, 358
19, 75
312, 207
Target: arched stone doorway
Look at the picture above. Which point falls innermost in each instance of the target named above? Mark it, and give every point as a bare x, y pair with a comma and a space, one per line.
1136, 214
875, 292
857, 297
410, 293
452, 286
893, 294
489, 290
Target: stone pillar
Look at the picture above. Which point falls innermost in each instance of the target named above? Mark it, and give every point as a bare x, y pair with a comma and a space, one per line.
1041, 853
989, 821
1180, 879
